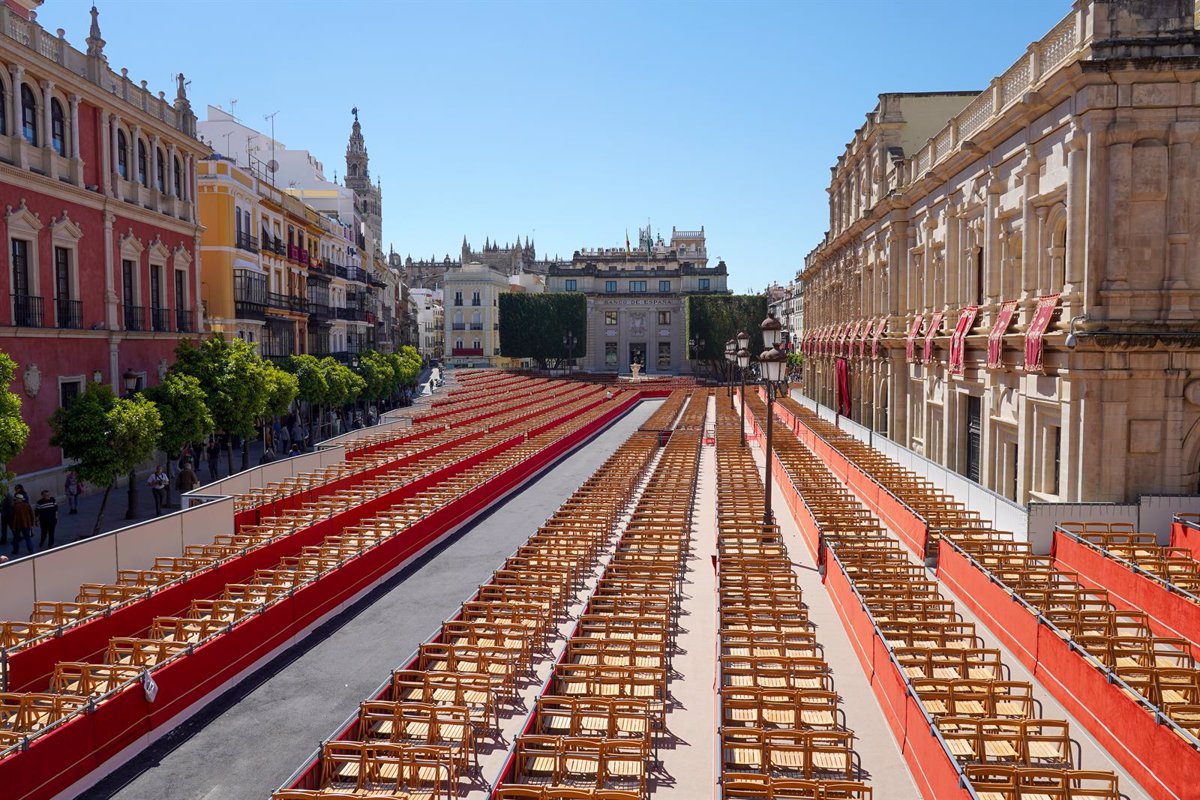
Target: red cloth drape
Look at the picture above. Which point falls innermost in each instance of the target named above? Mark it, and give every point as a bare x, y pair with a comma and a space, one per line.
1004, 316
958, 340
912, 335
878, 334
1037, 328
843, 386
935, 325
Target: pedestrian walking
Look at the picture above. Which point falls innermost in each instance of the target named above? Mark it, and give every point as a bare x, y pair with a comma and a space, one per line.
212, 453
186, 480
158, 483
6, 515
295, 451
73, 487
46, 512
267, 457
22, 523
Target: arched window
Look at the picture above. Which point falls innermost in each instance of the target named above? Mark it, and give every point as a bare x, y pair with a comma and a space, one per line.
141, 163
178, 179
122, 155
353, 170
160, 170
237, 222
3, 109
58, 128
29, 124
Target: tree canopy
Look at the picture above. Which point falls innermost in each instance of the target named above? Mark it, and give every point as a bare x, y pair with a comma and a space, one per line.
311, 386
718, 318
533, 325
345, 386
235, 380
181, 404
378, 374
14, 432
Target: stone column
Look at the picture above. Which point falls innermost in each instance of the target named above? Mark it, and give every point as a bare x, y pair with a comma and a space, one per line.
174, 190
18, 77
991, 242
1045, 260
75, 126
47, 95
953, 256
1182, 172
115, 140
1120, 184
1029, 238
1077, 212
111, 298
135, 132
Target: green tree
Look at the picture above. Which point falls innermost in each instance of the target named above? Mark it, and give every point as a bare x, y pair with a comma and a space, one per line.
107, 436
14, 432
235, 381
407, 362
312, 389
717, 318
185, 416
345, 386
533, 325
379, 375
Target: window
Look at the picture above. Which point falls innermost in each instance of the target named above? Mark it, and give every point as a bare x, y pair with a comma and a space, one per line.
141, 164
458, 298
475, 299
610, 286
62, 273
29, 125
58, 128
160, 171
705, 284
178, 179
68, 390
20, 267
237, 222
133, 320
122, 155
3, 109
571, 284
664, 355
637, 286
156, 287
979, 293
664, 286
664, 318
610, 354
610, 317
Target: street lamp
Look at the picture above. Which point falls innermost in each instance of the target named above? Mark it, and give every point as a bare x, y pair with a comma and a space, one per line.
730, 360
773, 364
569, 342
130, 379
743, 361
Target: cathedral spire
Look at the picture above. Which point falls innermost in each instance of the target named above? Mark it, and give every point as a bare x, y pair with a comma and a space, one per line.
94, 41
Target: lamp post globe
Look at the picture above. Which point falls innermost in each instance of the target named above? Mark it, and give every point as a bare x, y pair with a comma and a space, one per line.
772, 330
743, 340
773, 363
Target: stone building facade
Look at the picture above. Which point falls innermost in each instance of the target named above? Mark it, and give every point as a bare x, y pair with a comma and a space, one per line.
635, 299
1070, 185
101, 266
511, 259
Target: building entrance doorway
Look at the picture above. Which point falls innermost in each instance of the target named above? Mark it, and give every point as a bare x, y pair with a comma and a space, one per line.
974, 436
637, 355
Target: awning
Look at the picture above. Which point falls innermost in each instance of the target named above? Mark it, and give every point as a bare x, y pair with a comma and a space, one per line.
912, 335
935, 325
958, 340
878, 335
1037, 329
995, 354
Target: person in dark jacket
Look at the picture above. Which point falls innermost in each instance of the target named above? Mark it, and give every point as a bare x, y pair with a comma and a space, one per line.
22, 523
186, 480
6, 514
46, 511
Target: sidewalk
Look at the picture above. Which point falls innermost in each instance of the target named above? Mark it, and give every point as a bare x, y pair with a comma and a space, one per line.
73, 527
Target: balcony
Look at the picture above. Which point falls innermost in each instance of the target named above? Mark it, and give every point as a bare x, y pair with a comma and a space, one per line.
275, 245
68, 313
247, 242
351, 314
466, 351
160, 320
302, 256
135, 318
27, 311
476, 326
183, 320
320, 312
458, 326
286, 302
475, 301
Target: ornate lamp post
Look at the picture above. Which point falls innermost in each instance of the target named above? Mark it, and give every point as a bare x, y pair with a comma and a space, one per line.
743, 361
730, 360
773, 363
569, 342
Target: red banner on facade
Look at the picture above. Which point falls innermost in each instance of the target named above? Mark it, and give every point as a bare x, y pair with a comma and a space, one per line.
1004, 317
958, 344
1037, 329
935, 326
878, 335
843, 387
912, 335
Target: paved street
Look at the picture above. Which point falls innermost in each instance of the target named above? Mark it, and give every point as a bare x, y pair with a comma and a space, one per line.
248, 742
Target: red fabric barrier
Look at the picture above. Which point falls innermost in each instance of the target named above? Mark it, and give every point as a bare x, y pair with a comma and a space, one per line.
809, 530
1186, 536
858, 624
1010, 620
1171, 615
1165, 764
891, 689
933, 771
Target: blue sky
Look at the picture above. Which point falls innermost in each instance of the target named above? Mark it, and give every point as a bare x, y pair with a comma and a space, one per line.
574, 121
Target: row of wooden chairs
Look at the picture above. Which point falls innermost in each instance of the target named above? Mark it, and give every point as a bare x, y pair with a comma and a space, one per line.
782, 729
1119, 640
607, 699
127, 658
454, 693
989, 723
1173, 565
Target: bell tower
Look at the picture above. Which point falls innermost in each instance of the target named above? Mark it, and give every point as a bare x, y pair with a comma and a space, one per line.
358, 178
